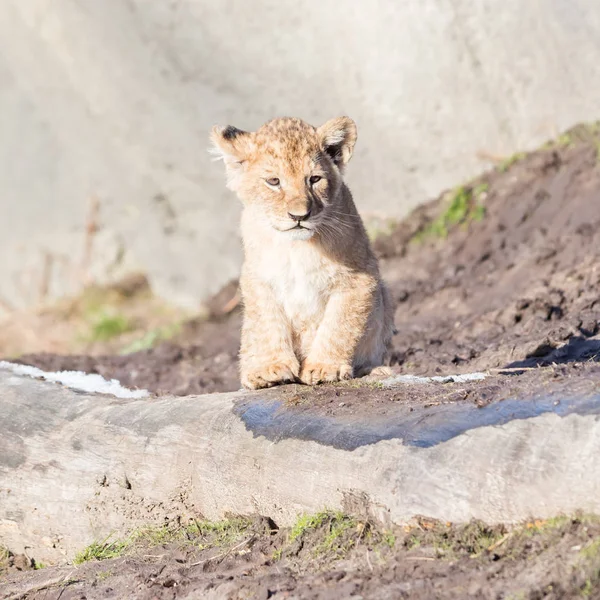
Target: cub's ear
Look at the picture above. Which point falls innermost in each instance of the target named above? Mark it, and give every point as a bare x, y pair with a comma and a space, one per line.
338, 137
232, 146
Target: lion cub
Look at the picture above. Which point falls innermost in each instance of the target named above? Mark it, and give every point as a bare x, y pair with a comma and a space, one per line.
315, 307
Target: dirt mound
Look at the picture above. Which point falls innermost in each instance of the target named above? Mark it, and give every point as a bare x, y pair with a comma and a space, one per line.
517, 286
331, 555
504, 271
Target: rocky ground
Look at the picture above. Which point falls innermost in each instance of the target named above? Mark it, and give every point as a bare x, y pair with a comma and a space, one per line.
501, 275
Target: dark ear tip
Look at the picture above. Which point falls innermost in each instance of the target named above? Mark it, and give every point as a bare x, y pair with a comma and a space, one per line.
230, 132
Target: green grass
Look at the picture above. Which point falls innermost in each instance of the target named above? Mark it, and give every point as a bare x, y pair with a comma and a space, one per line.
587, 588
308, 522
277, 554
465, 206
412, 542
472, 538
565, 139
106, 326
151, 338
592, 550
4, 556
219, 533
507, 163
545, 525
102, 551
342, 532
203, 534
338, 540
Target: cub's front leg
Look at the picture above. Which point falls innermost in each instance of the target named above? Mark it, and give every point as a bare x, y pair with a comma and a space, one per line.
267, 356
344, 323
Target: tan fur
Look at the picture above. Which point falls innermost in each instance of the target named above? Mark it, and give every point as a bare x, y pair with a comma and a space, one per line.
315, 307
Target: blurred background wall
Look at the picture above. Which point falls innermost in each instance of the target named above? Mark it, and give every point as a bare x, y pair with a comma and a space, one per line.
105, 108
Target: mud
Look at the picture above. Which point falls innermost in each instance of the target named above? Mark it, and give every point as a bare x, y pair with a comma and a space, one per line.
511, 279
331, 556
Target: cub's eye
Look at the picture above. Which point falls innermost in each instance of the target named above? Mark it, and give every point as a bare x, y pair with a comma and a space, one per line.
273, 181
314, 179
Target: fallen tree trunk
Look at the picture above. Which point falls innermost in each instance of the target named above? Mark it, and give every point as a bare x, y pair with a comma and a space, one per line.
76, 467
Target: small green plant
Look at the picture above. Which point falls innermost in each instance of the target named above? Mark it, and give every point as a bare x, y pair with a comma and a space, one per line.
4, 556
472, 538
389, 539
151, 338
337, 540
565, 139
587, 589
480, 189
340, 528
591, 550
219, 533
154, 536
307, 522
540, 526
102, 551
277, 554
507, 163
105, 326
465, 206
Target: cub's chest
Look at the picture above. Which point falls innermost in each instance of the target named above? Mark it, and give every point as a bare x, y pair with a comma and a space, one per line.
302, 281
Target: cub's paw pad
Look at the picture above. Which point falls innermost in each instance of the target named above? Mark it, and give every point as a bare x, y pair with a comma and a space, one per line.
269, 375
317, 372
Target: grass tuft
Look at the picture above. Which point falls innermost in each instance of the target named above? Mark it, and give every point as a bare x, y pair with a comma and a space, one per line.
465, 206
219, 533
102, 551
151, 338
106, 326
308, 522
507, 163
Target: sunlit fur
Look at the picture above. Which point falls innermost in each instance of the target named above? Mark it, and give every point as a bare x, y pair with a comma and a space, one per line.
315, 307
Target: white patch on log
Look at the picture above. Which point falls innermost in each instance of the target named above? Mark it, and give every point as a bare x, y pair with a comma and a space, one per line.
77, 380
390, 381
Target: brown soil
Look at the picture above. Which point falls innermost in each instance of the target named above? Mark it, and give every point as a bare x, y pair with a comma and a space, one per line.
334, 556
519, 287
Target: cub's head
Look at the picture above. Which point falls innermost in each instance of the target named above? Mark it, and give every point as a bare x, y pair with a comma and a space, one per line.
288, 173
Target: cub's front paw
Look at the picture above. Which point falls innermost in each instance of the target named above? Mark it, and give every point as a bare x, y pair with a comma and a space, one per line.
320, 372
270, 374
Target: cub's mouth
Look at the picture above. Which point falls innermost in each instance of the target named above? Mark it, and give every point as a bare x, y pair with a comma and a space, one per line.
299, 225
298, 232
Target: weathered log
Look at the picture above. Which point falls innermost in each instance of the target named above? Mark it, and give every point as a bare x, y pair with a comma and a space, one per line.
75, 467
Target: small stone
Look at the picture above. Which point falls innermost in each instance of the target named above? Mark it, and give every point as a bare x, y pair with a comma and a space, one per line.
21, 562
342, 404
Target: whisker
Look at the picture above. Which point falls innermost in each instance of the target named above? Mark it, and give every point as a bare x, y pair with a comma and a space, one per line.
343, 214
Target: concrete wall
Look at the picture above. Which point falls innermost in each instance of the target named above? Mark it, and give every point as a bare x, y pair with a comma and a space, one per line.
112, 100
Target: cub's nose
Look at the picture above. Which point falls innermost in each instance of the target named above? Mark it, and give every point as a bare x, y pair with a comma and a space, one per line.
298, 218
